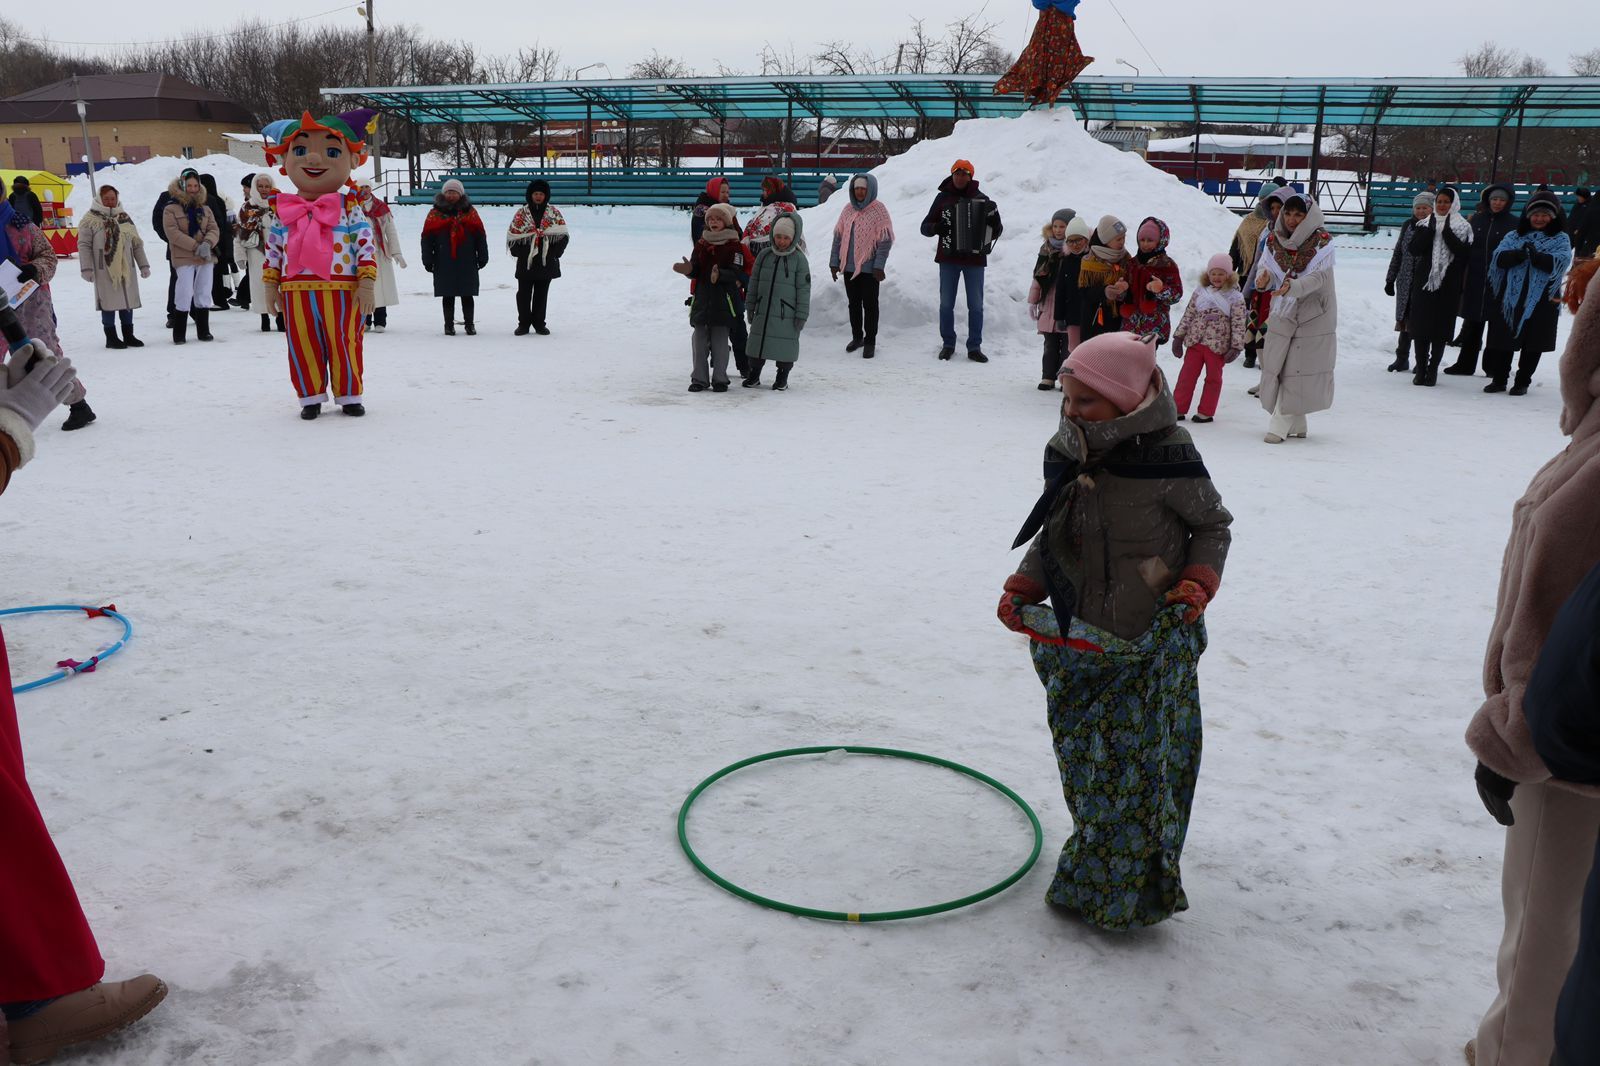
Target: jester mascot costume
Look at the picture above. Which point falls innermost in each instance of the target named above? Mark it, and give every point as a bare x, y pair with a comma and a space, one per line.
1052, 59
322, 259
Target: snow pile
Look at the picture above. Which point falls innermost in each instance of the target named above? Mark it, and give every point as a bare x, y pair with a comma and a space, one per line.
141, 184
1032, 166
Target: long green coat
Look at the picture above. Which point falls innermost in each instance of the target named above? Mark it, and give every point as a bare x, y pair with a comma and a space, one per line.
779, 301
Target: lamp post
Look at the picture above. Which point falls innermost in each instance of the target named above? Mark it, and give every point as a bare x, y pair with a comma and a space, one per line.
1130, 66
577, 75
83, 124
372, 46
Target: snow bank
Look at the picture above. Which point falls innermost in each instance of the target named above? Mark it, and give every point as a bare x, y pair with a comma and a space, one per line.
1032, 166
141, 184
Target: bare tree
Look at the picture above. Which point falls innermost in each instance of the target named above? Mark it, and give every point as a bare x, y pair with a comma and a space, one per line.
666, 139
1587, 64
1491, 60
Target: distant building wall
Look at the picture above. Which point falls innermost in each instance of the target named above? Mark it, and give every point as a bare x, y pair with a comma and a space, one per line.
52, 145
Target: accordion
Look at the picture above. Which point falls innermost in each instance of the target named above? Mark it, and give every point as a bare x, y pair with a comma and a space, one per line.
968, 229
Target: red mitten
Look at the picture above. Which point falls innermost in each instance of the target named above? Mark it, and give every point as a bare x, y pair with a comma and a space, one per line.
1020, 591
1196, 586
1177, 347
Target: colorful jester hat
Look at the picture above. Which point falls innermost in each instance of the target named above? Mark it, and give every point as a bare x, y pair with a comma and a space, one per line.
352, 127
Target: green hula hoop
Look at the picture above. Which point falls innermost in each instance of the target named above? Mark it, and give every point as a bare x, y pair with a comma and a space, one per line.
858, 916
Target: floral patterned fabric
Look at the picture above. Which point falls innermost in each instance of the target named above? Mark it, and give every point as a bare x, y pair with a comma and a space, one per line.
1050, 62
1125, 722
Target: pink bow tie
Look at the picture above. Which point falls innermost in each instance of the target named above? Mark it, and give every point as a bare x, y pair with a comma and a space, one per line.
310, 248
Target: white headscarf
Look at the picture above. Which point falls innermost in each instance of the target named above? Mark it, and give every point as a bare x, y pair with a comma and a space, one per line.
1442, 255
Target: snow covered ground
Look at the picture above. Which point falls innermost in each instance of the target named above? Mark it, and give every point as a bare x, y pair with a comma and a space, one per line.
390, 772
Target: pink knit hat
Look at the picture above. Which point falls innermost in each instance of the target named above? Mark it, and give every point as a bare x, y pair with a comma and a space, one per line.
1149, 231
1119, 366
1220, 261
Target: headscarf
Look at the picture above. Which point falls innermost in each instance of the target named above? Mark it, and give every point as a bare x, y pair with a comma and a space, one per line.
1163, 237
1442, 255
1525, 279
864, 226
460, 219
118, 226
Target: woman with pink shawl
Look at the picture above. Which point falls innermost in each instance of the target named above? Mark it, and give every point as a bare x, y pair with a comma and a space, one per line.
861, 242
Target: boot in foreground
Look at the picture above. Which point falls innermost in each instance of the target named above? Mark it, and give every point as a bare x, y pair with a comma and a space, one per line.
95, 1012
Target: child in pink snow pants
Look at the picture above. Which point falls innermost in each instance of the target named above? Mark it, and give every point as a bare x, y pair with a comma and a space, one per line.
1210, 335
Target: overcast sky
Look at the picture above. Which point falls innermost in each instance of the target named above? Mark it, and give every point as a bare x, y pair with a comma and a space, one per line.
1356, 38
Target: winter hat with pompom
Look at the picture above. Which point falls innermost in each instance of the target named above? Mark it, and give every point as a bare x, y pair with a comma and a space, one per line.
726, 211
1066, 214
1079, 228
1119, 366
454, 186
1220, 261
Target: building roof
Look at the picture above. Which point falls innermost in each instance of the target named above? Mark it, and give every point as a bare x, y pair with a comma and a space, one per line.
1486, 102
124, 98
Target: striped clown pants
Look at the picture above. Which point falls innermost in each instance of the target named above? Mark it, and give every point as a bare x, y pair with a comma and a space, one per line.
323, 324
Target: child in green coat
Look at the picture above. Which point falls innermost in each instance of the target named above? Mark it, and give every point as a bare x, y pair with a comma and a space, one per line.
779, 303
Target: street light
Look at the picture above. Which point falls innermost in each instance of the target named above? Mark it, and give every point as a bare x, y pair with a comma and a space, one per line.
365, 11
83, 124
1130, 66
577, 75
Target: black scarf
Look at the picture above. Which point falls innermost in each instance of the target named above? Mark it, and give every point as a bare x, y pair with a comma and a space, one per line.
1146, 456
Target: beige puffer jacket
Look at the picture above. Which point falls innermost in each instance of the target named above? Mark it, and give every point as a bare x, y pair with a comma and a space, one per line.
175, 224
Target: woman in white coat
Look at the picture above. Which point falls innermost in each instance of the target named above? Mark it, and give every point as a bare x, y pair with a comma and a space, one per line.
1302, 341
387, 235
255, 221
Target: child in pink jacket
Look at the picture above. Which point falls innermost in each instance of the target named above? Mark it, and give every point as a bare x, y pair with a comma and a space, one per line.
1210, 335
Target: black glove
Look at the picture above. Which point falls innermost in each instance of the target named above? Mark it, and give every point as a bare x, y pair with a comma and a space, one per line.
1495, 791
1542, 261
1512, 257
28, 272
1388, 288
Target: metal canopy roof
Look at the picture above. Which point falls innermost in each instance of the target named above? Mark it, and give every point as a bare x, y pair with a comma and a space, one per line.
1560, 102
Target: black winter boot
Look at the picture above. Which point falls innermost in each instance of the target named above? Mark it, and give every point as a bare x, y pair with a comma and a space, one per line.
354, 410
278, 321
79, 415
1466, 364
127, 335
202, 324
112, 340
310, 411
180, 327
1249, 357
1496, 385
266, 323
783, 377
1402, 355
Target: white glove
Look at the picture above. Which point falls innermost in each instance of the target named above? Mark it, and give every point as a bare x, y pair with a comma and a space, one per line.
203, 250
32, 395
399, 259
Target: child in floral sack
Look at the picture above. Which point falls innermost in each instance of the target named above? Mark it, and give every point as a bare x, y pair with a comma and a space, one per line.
1054, 299
1210, 335
1154, 284
1128, 545
720, 268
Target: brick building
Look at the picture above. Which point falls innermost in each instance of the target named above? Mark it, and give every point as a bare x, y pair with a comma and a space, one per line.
131, 117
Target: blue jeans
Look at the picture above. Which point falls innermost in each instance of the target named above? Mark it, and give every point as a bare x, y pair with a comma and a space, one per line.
949, 275
107, 321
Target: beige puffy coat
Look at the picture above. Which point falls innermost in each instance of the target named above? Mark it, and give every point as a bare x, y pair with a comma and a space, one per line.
1555, 542
175, 223
1302, 334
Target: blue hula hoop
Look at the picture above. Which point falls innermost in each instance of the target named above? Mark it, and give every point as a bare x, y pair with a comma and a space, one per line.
64, 672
